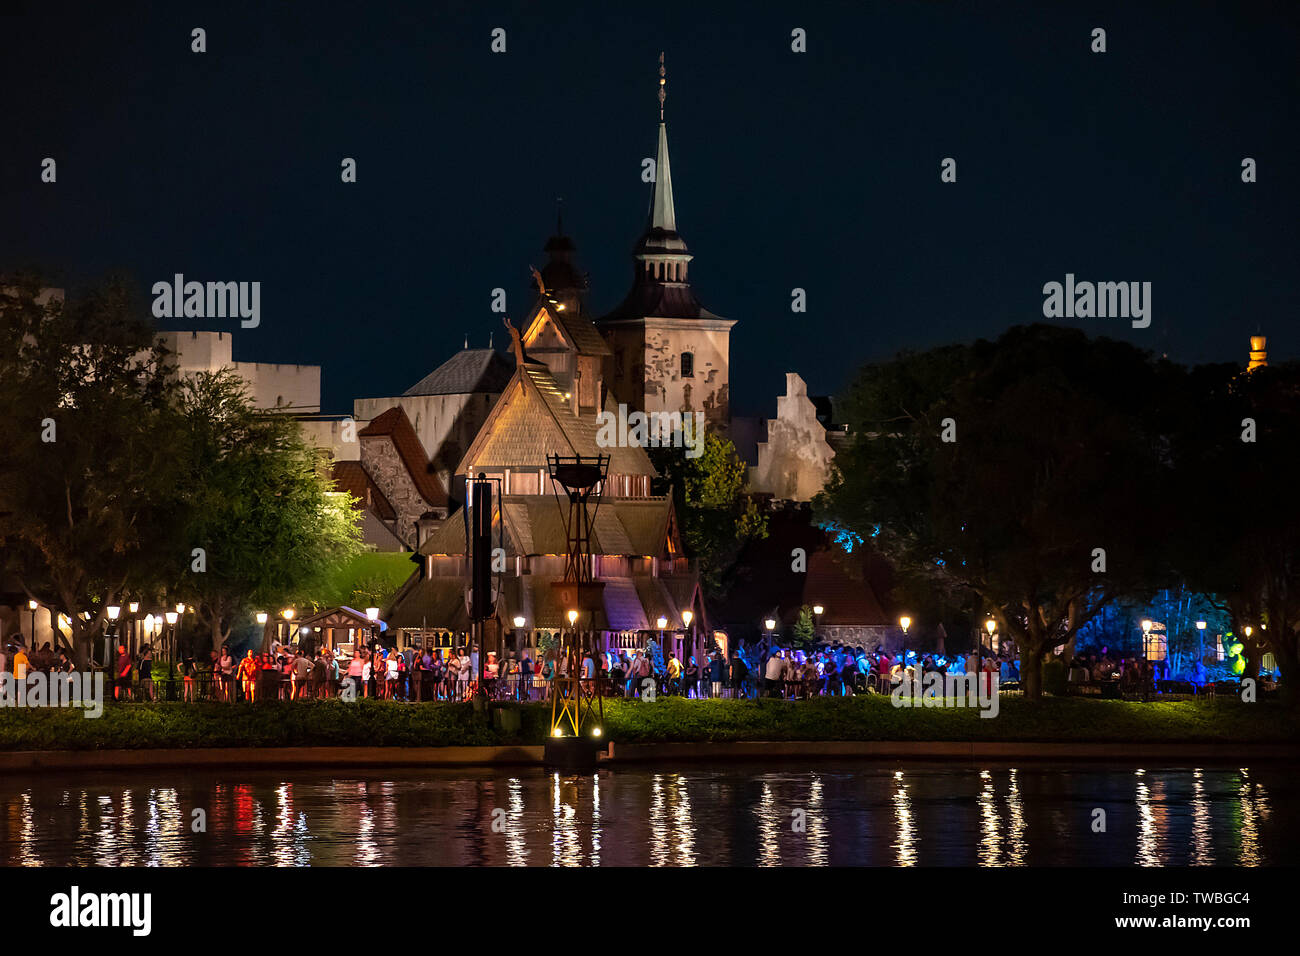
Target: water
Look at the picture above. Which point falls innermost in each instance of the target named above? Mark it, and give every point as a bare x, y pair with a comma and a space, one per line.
853, 813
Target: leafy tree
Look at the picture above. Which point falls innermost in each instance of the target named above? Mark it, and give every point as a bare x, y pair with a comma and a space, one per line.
805, 630
87, 507
716, 515
259, 504
1059, 450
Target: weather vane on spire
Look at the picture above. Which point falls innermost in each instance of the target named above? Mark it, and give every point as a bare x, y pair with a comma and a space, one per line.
662, 83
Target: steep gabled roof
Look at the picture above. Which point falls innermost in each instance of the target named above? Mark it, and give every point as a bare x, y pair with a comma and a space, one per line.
395, 425
468, 371
352, 477
575, 327
532, 419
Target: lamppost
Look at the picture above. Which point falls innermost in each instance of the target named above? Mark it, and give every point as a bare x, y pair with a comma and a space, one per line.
519, 623
1200, 640
1146, 636
571, 657
904, 622
372, 615
818, 610
287, 614
110, 632
133, 608
31, 606
769, 625
688, 635
172, 618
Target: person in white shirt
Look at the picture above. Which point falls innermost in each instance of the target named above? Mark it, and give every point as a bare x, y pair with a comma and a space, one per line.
466, 667
775, 667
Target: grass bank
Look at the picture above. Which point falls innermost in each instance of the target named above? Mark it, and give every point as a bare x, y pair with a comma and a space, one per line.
668, 720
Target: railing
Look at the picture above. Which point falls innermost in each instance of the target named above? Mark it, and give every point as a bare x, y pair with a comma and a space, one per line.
271, 685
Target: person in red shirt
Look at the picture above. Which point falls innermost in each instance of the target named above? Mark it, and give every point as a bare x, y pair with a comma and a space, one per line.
123, 672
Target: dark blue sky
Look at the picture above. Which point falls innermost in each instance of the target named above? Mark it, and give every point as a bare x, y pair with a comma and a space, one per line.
817, 170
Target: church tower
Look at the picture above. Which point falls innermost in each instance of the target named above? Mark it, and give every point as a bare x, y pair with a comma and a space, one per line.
670, 354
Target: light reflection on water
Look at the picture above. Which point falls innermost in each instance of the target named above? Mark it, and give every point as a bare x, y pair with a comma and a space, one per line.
830, 813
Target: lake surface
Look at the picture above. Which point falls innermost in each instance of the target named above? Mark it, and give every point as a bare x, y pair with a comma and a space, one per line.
835, 812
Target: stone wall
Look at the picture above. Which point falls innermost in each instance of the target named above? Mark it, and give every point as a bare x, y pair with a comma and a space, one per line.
445, 424
380, 459
794, 463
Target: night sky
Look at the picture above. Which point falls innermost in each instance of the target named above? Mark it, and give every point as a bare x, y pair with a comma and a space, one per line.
818, 170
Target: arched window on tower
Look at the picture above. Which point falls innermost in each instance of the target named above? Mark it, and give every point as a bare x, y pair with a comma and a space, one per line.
688, 365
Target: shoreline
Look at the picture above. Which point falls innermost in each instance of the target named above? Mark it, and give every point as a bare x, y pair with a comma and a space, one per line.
961, 752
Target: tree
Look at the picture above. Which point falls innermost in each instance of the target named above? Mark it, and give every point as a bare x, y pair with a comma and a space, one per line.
258, 504
1236, 453
805, 630
1025, 471
716, 515
87, 508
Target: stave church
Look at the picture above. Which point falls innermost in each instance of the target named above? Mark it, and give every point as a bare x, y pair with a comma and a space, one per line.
484, 412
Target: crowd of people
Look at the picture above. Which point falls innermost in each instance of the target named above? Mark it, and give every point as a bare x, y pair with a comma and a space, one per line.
412, 674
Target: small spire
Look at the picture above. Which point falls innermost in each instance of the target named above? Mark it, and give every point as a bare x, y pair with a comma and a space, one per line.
663, 82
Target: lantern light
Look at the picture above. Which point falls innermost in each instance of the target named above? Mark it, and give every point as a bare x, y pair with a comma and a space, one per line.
818, 609
687, 617
904, 622
171, 617
662, 622
134, 607
31, 605
113, 611
519, 620
1200, 625
573, 617
990, 625
287, 614
770, 624
261, 617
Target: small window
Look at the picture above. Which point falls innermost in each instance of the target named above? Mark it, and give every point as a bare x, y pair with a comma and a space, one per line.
688, 364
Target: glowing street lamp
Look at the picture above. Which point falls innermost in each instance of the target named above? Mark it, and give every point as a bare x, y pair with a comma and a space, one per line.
687, 617
31, 606
261, 617
573, 617
904, 622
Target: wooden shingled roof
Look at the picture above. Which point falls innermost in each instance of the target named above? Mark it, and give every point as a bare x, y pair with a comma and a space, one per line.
532, 419
628, 603
535, 525
577, 328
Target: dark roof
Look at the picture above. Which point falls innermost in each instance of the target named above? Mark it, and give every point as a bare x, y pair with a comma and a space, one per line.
849, 586
395, 425
653, 297
468, 371
352, 477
